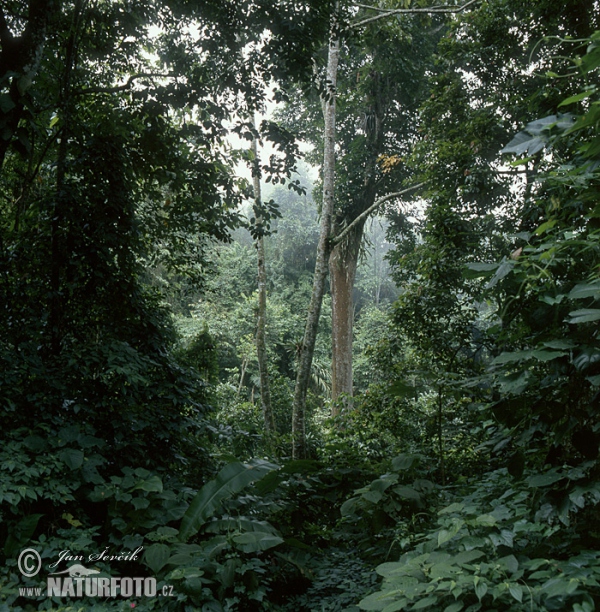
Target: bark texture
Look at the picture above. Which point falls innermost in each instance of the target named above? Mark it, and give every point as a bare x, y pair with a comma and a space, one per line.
307, 347
342, 272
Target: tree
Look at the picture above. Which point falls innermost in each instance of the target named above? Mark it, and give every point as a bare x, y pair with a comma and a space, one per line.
323, 250
341, 251
261, 349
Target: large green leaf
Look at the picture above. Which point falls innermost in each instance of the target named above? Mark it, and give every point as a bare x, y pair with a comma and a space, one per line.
585, 290
584, 315
504, 269
544, 480
478, 269
404, 461
72, 458
154, 483
578, 97
229, 481
157, 556
536, 134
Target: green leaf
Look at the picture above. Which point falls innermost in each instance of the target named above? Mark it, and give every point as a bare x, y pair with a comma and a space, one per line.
578, 97
407, 492
486, 519
544, 480
524, 143
375, 601
35, 443
535, 564
157, 556
231, 523
555, 587
467, 556
72, 458
481, 588
6, 103
403, 462
444, 536
592, 148
256, 541
585, 315
349, 506
154, 483
544, 227
372, 496
560, 344
455, 507
229, 481
478, 270
457, 606
516, 590
515, 384
585, 290
504, 269
394, 607
425, 603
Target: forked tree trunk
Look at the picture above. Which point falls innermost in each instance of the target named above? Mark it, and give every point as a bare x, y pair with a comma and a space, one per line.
323, 250
261, 323
342, 272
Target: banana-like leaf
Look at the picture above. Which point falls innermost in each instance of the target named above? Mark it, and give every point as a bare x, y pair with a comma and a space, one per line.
230, 480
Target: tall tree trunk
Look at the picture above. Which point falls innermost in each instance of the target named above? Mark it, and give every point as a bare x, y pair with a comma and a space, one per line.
342, 271
261, 324
20, 58
323, 250
61, 203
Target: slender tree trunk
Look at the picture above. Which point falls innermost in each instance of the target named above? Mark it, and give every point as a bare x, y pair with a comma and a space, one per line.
261, 324
242, 374
440, 433
323, 250
342, 270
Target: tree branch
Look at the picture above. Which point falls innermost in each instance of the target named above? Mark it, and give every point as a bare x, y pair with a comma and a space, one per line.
433, 9
373, 8
127, 85
337, 239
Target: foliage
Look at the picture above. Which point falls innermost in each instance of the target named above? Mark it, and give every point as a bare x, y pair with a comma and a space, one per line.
521, 537
113, 162
465, 469
491, 550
